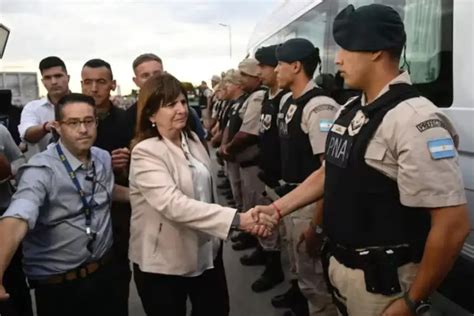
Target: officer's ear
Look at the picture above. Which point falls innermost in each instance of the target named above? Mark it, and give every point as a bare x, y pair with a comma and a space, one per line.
297, 66
376, 55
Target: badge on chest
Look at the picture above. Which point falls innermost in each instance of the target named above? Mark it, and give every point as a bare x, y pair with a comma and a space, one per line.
357, 122
265, 122
291, 112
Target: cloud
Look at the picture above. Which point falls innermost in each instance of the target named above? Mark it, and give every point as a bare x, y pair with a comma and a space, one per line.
185, 34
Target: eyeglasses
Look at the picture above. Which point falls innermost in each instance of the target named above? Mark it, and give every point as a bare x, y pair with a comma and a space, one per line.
75, 124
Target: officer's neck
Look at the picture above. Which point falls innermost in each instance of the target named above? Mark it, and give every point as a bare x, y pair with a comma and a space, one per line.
298, 86
274, 89
238, 95
376, 83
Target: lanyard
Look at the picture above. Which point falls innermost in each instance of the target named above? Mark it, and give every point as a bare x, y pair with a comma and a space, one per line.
87, 205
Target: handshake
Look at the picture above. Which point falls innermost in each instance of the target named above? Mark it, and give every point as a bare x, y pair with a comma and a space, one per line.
260, 220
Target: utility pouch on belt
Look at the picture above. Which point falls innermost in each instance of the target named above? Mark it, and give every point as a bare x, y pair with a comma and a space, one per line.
381, 274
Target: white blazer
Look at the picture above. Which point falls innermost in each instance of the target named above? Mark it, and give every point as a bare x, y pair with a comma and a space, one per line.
168, 224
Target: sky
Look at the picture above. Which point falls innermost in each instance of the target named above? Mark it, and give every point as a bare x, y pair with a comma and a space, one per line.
185, 33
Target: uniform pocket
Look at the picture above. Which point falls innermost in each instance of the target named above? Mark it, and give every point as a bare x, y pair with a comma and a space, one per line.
375, 151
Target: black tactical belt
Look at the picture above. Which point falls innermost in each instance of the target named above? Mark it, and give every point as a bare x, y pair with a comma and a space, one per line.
355, 259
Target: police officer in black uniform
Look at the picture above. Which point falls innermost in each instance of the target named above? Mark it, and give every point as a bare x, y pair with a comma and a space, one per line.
395, 210
303, 123
268, 250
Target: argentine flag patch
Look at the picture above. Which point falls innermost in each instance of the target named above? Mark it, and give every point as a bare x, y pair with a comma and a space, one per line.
325, 125
441, 148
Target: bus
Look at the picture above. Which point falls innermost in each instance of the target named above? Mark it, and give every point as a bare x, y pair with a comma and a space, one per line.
439, 50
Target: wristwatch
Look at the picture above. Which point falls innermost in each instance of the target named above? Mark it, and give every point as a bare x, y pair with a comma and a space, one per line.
417, 307
235, 225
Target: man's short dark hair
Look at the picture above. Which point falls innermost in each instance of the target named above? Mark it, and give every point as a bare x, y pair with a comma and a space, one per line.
395, 53
310, 63
50, 62
144, 58
72, 98
99, 63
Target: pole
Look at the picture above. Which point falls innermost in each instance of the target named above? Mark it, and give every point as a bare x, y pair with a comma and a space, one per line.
230, 37
230, 42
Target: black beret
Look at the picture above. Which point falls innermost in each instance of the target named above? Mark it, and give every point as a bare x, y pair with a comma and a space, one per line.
267, 55
369, 28
295, 49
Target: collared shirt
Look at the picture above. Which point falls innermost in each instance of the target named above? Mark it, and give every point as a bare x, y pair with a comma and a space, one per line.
401, 150
48, 201
318, 115
250, 113
36, 112
202, 185
15, 157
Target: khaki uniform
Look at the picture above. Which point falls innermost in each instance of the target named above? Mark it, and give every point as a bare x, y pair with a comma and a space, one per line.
252, 187
308, 270
400, 149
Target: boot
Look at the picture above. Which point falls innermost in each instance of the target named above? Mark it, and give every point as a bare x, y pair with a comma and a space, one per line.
256, 258
248, 242
272, 275
301, 307
287, 299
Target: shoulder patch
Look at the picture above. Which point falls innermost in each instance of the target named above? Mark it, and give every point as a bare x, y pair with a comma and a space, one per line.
441, 148
324, 107
429, 124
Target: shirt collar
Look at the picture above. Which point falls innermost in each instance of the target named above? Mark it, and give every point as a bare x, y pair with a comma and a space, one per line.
309, 86
73, 161
46, 101
272, 96
403, 77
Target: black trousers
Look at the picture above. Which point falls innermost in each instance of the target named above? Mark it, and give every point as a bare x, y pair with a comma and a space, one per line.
14, 279
164, 295
95, 295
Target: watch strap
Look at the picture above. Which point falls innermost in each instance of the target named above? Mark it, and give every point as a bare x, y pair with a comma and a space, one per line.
235, 225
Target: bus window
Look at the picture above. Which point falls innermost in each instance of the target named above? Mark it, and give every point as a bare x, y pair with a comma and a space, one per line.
429, 49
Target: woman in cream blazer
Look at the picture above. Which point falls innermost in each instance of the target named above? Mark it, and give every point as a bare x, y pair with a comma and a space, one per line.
175, 230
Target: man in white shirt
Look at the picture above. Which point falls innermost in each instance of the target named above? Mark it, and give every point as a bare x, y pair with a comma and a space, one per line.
37, 115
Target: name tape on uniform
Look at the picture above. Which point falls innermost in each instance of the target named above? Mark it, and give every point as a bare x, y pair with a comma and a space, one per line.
442, 148
325, 125
429, 124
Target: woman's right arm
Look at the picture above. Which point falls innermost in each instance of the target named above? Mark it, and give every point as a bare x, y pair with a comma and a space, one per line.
154, 181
